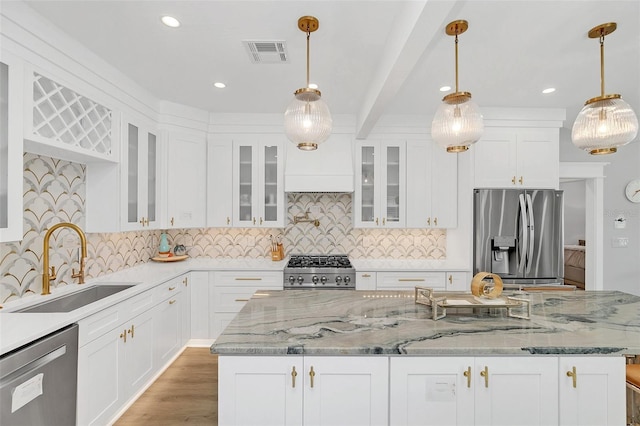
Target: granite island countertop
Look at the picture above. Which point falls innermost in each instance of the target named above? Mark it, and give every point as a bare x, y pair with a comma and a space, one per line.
339, 322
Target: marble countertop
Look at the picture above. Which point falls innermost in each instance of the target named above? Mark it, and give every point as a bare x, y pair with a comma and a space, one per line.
339, 322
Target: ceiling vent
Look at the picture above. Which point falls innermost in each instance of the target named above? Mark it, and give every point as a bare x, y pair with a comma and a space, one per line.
267, 52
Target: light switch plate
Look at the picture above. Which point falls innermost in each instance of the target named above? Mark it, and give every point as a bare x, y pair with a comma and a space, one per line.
620, 242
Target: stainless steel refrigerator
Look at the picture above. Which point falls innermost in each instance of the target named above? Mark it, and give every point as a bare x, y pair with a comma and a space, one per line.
518, 235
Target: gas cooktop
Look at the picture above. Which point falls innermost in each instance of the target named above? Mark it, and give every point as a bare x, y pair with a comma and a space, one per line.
315, 271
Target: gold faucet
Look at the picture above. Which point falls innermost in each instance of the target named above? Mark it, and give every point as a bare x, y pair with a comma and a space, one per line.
46, 277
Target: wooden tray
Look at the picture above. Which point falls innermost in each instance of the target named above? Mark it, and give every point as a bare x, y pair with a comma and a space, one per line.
170, 259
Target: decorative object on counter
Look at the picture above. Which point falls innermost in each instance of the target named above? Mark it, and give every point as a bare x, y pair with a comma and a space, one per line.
277, 249
170, 258
179, 250
163, 248
307, 120
458, 122
517, 307
305, 219
489, 289
606, 121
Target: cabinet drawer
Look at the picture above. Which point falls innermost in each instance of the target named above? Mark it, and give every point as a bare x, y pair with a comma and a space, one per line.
231, 299
409, 280
100, 323
167, 289
271, 280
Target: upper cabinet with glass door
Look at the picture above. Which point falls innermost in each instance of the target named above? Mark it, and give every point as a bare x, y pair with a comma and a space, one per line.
380, 184
141, 192
11, 164
258, 192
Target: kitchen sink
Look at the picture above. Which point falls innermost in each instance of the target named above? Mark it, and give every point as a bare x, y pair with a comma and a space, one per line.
77, 299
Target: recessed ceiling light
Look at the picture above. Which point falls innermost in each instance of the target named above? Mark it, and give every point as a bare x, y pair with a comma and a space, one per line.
170, 21
549, 90
445, 88
219, 85
313, 86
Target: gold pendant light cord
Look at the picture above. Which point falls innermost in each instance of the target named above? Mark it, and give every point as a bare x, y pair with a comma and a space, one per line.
308, 36
456, 43
602, 65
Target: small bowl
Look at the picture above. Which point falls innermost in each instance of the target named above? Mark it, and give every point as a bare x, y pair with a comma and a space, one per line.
163, 254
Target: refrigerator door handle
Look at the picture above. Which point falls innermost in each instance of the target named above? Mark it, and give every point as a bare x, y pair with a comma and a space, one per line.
531, 233
525, 234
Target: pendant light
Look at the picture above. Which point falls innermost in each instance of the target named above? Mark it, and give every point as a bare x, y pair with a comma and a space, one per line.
458, 122
307, 120
606, 122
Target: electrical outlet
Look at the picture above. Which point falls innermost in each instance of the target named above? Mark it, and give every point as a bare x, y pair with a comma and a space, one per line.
620, 242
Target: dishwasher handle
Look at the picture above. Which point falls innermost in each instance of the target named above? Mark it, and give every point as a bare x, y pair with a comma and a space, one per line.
33, 365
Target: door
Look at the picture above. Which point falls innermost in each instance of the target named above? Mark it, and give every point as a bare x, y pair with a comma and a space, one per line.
545, 252
272, 193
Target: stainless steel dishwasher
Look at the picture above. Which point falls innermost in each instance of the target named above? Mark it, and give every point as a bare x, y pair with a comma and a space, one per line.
38, 382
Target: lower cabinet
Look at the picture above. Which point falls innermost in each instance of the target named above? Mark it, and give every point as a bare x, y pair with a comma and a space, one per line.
295, 390
409, 280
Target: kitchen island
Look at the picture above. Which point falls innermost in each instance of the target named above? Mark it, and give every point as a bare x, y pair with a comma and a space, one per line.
336, 357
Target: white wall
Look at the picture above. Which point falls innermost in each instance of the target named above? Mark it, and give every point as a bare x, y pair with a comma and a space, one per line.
574, 211
621, 265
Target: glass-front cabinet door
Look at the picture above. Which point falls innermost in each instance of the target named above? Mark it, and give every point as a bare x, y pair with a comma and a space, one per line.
380, 184
258, 197
11, 164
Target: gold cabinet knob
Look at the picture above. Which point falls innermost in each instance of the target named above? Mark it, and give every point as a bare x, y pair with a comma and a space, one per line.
228, 220
435, 221
521, 180
467, 374
429, 221
513, 180
450, 279
574, 376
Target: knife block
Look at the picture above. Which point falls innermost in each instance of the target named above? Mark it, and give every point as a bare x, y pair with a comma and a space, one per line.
278, 254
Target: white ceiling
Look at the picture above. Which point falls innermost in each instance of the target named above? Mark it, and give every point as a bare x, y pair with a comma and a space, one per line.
368, 57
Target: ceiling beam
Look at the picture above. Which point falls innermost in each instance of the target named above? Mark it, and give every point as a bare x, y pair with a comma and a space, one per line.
416, 30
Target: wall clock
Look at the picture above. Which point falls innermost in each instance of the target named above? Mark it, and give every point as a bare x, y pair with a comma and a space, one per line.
632, 191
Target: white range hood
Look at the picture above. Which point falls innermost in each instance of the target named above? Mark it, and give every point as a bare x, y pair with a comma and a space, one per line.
327, 169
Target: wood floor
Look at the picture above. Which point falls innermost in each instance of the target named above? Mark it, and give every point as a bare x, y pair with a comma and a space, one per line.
186, 393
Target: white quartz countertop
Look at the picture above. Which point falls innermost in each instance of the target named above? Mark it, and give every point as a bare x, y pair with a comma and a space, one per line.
339, 322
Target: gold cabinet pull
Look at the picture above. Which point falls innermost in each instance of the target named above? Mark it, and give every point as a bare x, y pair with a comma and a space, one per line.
254, 220
429, 221
172, 288
142, 221
384, 221
312, 374
520, 180
467, 374
411, 280
185, 281
366, 275
260, 220
294, 373
248, 279
123, 336
376, 221
242, 300
450, 279
573, 375
172, 221
435, 221
513, 180
132, 330
171, 302
228, 220
485, 373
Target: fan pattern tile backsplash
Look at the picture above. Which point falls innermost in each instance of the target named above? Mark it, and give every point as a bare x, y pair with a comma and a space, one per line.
54, 191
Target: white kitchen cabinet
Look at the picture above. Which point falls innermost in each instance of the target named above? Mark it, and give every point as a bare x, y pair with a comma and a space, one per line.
219, 192
592, 390
432, 186
140, 167
186, 282
186, 183
303, 390
365, 280
232, 290
517, 158
379, 197
199, 312
258, 176
168, 319
409, 280
11, 142
114, 364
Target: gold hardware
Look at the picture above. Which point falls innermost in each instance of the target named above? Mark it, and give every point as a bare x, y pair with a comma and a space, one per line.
171, 302
132, 330
260, 220
513, 180
384, 221
450, 279
520, 180
293, 376
411, 280
573, 375
376, 221
467, 374
366, 276
172, 221
249, 279
172, 288
146, 221
312, 374
123, 336
429, 221
142, 221
242, 300
485, 373
300, 218
228, 220
435, 221
80, 273
185, 281
46, 278
254, 220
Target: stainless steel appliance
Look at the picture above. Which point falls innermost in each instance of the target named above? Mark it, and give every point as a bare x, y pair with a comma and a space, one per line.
315, 271
518, 235
38, 381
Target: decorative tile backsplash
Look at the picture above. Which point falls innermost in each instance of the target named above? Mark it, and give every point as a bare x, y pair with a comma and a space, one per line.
54, 191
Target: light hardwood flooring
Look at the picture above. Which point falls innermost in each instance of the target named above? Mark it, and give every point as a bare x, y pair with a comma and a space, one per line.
186, 393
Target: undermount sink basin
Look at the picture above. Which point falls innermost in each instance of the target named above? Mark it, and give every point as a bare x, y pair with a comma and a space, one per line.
77, 299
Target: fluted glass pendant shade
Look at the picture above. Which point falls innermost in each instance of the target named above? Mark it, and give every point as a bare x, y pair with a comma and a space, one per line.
602, 126
606, 122
307, 120
458, 122
457, 126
